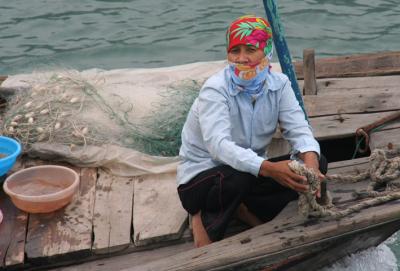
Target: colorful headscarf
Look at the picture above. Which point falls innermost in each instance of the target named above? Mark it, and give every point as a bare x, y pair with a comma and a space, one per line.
250, 30
256, 31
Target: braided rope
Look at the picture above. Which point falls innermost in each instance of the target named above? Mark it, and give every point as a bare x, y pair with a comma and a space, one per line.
383, 171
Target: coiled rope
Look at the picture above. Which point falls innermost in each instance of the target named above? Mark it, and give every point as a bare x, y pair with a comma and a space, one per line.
383, 172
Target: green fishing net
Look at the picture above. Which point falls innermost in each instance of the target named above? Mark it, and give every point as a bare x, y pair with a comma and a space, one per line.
70, 110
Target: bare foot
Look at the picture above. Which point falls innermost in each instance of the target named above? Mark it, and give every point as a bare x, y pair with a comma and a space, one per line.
247, 217
199, 232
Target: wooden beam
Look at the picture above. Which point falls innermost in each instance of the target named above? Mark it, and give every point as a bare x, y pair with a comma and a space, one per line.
375, 64
310, 84
357, 101
383, 139
345, 125
343, 86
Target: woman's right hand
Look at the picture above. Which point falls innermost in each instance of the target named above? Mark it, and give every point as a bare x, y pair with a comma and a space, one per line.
280, 172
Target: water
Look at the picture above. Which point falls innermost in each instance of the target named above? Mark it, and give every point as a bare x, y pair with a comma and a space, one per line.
110, 34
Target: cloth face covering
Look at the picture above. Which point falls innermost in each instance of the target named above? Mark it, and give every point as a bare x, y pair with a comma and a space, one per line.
255, 31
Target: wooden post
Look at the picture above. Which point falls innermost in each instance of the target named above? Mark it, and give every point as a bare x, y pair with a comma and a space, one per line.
310, 84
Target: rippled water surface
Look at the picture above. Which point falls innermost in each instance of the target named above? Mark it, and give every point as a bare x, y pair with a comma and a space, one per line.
152, 33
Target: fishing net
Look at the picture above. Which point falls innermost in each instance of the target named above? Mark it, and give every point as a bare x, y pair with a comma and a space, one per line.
67, 109
76, 116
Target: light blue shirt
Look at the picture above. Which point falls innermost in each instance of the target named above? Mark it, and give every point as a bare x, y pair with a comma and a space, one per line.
227, 126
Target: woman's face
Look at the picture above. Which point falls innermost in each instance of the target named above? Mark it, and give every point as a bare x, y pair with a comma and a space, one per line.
246, 55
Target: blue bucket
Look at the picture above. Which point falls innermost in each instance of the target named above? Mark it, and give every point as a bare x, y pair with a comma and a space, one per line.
10, 149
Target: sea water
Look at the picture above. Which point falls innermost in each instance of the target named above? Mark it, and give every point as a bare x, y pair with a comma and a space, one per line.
112, 34
109, 34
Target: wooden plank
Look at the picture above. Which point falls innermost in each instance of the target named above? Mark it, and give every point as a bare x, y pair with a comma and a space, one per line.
310, 84
157, 212
345, 125
347, 163
333, 127
343, 86
67, 232
112, 213
355, 102
375, 64
122, 262
12, 232
383, 139
12, 229
342, 192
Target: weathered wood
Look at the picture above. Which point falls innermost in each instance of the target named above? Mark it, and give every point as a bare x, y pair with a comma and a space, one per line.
128, 260
383, 139
12, 232
286, 220
343, 192
310, 84
157, 212
384, 63
331, 127
343, 86
254, 244
12, 229
325, 252
284, 229
68, 230
112, 213
357, 101
345, 125
347, 164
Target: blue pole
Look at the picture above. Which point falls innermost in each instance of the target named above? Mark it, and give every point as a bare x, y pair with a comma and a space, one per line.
282, 49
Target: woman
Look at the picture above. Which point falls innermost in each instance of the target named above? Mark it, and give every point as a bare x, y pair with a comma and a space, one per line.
224, 170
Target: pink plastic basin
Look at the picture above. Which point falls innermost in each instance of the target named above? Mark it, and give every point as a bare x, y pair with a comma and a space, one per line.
42, 189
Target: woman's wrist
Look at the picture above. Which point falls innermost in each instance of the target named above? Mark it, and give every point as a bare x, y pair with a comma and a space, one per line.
265, 168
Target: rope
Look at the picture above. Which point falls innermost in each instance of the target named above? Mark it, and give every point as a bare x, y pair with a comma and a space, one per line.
383, 172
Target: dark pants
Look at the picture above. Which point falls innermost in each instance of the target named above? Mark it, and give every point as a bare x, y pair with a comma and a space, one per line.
218, 192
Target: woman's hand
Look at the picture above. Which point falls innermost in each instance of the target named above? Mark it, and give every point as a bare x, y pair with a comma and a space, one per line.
280, 172
311, 161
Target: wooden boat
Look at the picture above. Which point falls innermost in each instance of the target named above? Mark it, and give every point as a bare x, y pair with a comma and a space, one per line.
140, 223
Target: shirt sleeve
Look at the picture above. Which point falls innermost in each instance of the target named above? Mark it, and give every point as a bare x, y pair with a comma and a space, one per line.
293, 123
215, 126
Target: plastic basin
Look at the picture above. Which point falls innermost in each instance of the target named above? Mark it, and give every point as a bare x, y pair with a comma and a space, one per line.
42, 189
9, 151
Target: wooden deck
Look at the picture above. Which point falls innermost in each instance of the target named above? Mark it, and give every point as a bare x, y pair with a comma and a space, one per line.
287, 231
98, 222
142, 216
